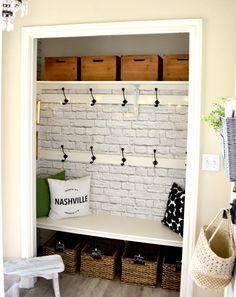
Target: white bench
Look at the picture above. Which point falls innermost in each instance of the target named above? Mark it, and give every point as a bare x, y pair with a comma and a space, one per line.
47, 267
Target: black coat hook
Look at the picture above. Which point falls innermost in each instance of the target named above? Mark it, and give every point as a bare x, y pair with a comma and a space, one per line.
65, 156
93, 157
124, 101
123, 157
157, 102
93, 99
233, 211
66, 100
155, 159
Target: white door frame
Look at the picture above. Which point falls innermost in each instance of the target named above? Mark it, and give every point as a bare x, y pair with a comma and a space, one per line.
28, 94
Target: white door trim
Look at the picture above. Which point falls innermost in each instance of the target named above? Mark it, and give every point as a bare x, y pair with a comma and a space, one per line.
28, 93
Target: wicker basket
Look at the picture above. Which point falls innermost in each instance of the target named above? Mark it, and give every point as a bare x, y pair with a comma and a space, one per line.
70, 253
228, 133
171, 268
100, 258
140, 263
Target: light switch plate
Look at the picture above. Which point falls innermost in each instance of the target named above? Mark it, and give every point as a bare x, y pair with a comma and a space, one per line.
210, 162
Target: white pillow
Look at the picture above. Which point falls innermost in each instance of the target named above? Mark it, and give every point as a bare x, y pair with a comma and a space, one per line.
69, 198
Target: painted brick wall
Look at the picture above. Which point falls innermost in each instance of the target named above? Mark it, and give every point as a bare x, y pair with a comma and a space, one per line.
129, 190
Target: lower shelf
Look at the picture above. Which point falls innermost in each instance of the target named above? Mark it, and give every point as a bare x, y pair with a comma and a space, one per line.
115, 227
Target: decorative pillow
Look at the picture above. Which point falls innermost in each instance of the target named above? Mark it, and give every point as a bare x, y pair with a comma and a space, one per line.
174, 215
69, 198
43, 194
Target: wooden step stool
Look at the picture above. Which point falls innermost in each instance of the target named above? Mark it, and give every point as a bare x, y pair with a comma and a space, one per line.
47, 267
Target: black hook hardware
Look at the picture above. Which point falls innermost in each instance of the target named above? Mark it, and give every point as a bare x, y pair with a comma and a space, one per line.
233, 211
66, 100
234, 188
93, 157
123, 157
65, 156
157, 102
125, 100
225, 215
155, 160
93, 99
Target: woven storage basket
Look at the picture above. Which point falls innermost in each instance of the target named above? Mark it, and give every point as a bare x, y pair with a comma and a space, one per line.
101, 258
214, 256
228, 133
171, 268
133, 270
73, 244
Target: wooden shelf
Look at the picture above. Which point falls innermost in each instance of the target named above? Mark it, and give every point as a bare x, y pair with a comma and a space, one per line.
115, 227
44, 83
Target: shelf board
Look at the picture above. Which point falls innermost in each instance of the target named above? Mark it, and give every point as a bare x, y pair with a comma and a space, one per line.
115, 227
139, 160
119, 82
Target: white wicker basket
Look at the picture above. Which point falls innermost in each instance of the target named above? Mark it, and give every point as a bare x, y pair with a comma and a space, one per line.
214, 256
228, 134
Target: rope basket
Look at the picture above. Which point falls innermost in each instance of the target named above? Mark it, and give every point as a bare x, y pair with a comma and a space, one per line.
214, 256
140, 263
171, 269
100, 258
228, 134
71, 252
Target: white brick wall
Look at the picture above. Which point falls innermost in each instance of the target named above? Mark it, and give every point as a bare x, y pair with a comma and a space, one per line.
127, 190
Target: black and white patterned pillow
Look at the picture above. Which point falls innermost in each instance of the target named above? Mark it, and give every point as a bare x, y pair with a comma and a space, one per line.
174, 214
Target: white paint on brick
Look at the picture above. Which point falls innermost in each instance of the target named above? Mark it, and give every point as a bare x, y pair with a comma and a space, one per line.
129, 190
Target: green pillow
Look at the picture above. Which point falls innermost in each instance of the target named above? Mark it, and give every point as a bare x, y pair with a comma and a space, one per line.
43, 194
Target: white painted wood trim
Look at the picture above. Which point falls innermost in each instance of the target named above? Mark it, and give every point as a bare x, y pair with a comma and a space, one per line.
193, 155
28, 94
115, 99
85, 157
166, 85
115, 227
1, 197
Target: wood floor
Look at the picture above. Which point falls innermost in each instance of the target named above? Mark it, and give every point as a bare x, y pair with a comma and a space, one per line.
74, 285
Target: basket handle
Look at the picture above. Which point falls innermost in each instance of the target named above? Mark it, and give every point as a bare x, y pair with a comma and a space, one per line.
139, 59
225, 215
60, 61
98, 60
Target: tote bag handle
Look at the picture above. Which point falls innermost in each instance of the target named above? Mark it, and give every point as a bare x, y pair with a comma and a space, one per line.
221, 211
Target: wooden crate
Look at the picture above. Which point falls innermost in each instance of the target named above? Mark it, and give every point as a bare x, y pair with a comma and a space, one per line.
62, 68
141, 67
100, 258
176, 67
100, 68
140, 263
171, 268
70, 254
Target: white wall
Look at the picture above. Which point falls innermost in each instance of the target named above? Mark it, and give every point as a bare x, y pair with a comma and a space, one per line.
219, 40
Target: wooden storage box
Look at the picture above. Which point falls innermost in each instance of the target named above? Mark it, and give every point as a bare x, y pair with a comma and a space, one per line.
100, 258
141, 67
68, 246
100, 68
176, 67
171, 268
62, 68
140, 263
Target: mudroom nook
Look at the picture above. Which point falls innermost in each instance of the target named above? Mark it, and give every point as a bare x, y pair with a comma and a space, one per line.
131, 137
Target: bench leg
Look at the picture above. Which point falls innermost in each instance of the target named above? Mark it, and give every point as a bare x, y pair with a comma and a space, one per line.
55, 283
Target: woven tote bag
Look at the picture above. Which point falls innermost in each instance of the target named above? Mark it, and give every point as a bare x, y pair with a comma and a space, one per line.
214, 255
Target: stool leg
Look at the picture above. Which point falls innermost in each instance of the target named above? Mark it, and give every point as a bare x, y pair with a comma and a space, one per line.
55, 283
